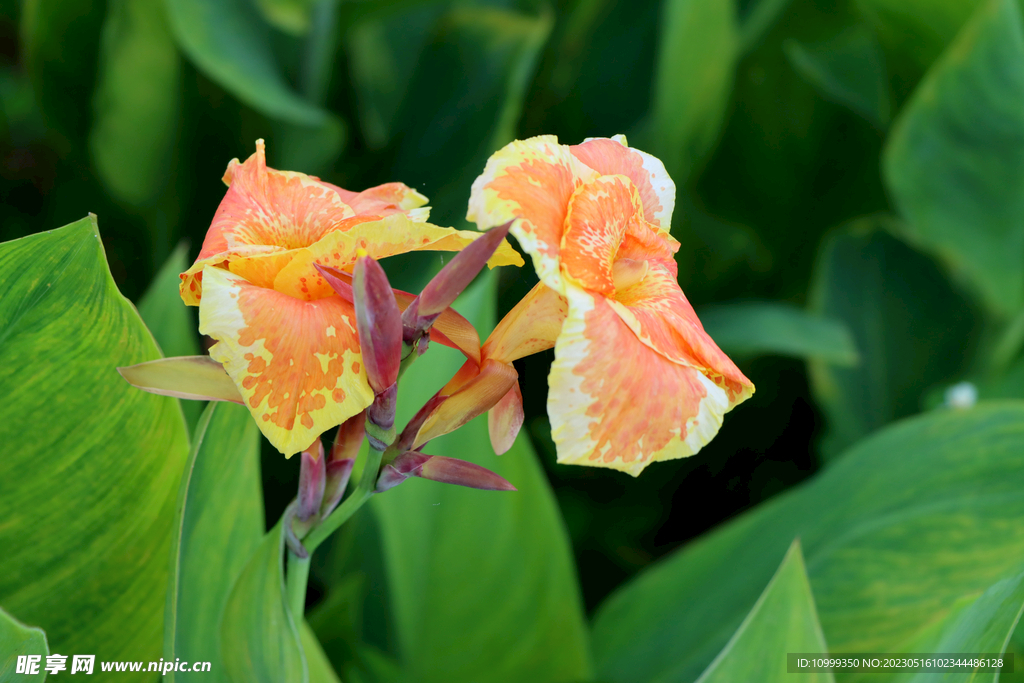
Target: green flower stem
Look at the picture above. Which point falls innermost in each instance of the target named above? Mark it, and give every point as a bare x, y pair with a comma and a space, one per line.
295, 584
362, 493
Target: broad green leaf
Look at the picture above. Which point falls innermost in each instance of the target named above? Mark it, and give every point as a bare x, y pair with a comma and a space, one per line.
320, 670
464, 101
698, 49
984, 627
920, 29
911, 329
60, 42
259, 640
954, 162
229, 42
220, 525
895, 534
90, 476
848, 70
757, 20
135, 104
782, 620
482, 583
172, 324
753, 328
16, 640
292, 16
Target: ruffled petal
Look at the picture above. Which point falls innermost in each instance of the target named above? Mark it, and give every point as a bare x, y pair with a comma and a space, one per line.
657, 312
296, 363
531, 181
394, 234
615, 402
387, 199
611, 156
264, 206
531, 327
595, 226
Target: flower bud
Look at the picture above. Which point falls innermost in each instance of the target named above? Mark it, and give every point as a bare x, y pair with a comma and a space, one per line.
312, 481
448, 284
441, 469
343, 457
378, 322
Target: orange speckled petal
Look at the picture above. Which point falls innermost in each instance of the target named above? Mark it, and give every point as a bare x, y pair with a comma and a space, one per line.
191, 287
386, 199
530, 180
394, 234
264, 206
611, 156
614, 402
296, 363
659, 314
531, 327
595, 225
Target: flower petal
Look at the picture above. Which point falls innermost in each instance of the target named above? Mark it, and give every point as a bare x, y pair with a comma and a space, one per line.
532, 181
394, 234
473, 398
296, 363
505, 420
614, 402
657, 312
611, 156
531, 327
264, 206
595, 226
386, 199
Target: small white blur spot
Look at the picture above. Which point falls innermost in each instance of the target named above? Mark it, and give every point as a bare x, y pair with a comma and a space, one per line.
961, 396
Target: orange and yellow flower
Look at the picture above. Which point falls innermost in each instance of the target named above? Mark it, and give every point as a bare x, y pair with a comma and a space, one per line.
635, 377
286, 340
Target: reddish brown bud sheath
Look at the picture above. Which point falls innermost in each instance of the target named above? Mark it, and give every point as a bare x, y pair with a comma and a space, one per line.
339, 464
441, 469
412, 428
312, 480
378, 322
339, 280
448, 284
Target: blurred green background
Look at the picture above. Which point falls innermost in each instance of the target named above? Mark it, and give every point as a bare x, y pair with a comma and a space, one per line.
850, 183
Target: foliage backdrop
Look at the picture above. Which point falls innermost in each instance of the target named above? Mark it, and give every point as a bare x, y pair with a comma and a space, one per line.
851, 208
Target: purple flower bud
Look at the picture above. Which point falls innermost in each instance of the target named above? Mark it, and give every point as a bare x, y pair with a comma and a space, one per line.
441, 469
312, 480
379, 323
448, 284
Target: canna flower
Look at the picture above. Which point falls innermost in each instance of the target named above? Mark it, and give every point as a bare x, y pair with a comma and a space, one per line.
286, 340
635, 377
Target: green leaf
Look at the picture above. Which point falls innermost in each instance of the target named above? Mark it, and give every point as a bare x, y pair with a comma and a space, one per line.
954, 162
91, 471
698, 49
229, 42
465, 100
757, 20
220, 525
984, 627
782, 620
59, 43
136, 101
169, 319
16, 640
753, 328
848, 70
911, 329
292, 16
920, 29
482, 583
320, 670
896, 533
259, 640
